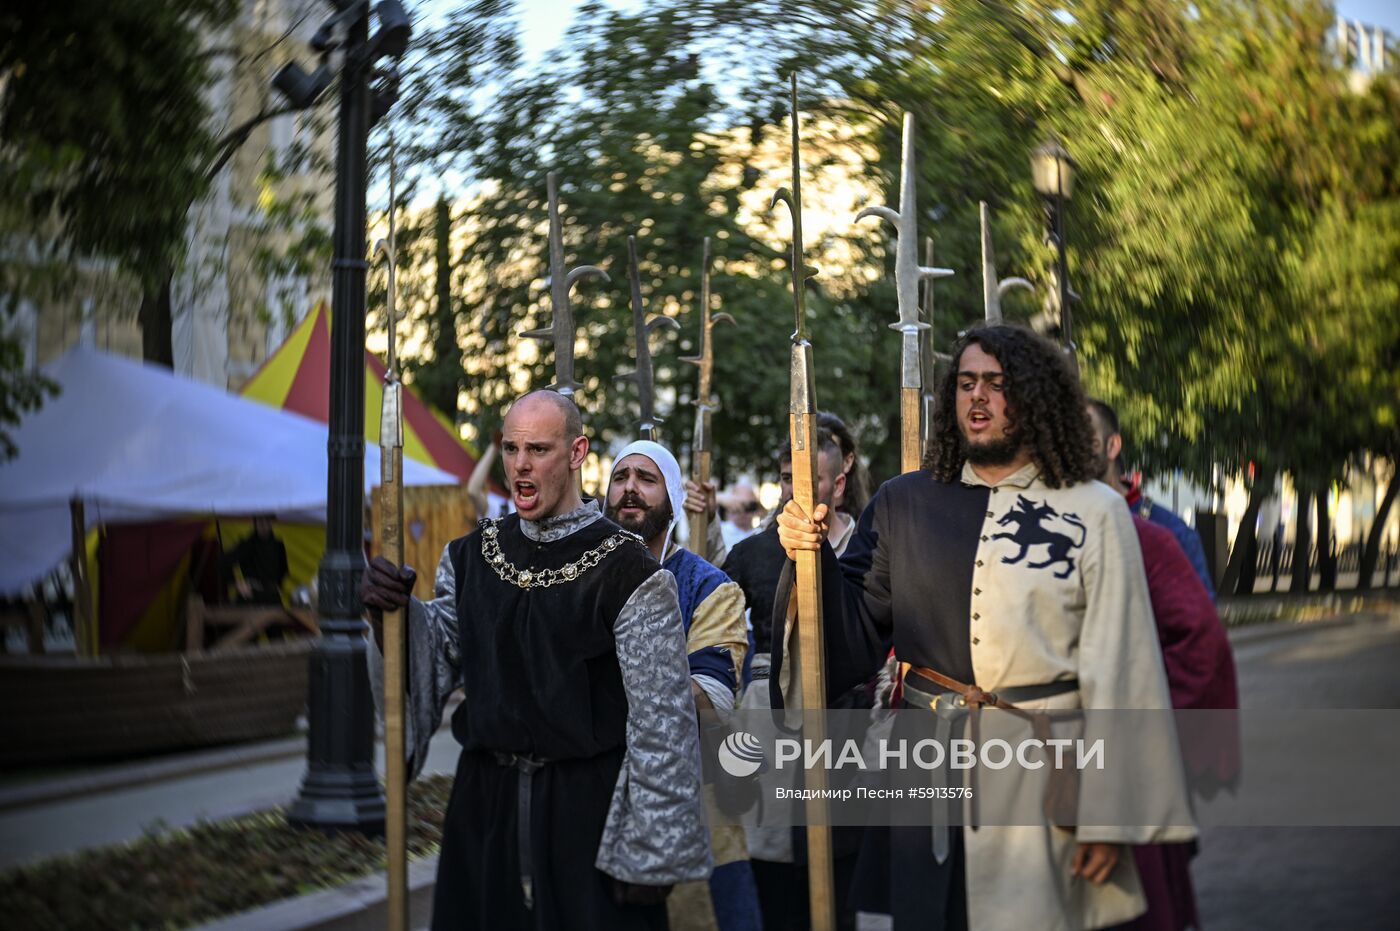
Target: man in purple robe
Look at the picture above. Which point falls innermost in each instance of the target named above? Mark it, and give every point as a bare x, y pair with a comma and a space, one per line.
1200, 675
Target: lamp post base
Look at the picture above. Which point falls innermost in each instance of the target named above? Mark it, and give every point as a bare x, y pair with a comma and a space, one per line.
340, 790
345, 800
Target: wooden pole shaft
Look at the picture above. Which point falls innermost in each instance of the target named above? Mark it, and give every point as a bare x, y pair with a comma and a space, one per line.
802, 431
811, 642
910, 411
395, 769
700, 523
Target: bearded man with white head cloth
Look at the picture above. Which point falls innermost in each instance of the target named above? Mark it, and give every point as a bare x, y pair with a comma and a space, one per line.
646, 495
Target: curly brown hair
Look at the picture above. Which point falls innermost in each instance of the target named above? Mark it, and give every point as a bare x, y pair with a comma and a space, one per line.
1044, 400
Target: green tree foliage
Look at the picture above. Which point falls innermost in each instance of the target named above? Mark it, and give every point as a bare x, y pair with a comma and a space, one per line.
1233, 233
104, 122
428, 283
110, 143
1233, 230
440, 384
106, 145
102, 119
644, 146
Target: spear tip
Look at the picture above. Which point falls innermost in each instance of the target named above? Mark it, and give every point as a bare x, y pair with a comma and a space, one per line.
544, 333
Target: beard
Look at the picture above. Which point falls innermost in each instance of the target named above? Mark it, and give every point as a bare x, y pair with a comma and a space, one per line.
1105, 468
996, 452
650, 525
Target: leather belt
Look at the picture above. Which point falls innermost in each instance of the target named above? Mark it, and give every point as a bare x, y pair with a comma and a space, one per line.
526, 767
936, 685
950, 700
761, 667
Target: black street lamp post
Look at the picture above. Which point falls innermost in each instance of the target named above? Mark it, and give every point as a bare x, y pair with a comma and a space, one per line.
340, 789
1052, 171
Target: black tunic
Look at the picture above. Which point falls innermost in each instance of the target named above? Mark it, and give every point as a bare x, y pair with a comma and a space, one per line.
542, 679
935, 569
756, 563
896, 873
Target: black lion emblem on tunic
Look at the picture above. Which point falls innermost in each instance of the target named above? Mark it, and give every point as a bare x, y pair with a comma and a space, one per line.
1029, 518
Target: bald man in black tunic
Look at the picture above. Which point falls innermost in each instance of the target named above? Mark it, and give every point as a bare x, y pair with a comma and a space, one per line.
577, 798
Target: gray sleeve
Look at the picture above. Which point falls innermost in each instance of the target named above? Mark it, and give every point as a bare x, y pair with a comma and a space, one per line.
434, 665
720, 695
655, 832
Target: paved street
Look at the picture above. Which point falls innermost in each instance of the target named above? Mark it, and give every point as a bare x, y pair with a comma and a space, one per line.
1285, 878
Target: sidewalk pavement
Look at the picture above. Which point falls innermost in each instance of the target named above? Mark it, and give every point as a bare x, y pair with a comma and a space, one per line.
265, 776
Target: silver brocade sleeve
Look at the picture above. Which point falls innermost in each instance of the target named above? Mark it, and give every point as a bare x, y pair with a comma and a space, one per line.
655, 832
433, 662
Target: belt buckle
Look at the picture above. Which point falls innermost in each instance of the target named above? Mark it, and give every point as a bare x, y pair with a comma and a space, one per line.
951, 700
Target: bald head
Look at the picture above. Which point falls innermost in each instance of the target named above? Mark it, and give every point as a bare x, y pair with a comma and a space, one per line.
542, 446
535, 402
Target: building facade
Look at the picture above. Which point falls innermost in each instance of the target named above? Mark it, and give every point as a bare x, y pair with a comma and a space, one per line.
252, 267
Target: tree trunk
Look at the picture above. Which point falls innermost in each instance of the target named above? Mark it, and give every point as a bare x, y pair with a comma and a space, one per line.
1240, 571
1370, 555
1302, 544
1326, 557
446, 349
156, 322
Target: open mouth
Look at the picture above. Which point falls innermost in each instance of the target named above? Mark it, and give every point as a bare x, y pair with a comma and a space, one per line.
978, 420
526, 494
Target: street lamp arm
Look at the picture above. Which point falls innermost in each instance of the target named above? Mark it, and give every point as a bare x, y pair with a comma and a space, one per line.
226, 147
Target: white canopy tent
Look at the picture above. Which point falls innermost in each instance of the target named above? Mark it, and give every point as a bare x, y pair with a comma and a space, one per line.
136, 442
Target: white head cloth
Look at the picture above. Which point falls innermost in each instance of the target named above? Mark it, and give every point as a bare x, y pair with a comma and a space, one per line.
675, 485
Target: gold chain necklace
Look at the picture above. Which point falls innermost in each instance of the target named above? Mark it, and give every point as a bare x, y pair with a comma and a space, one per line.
543, 578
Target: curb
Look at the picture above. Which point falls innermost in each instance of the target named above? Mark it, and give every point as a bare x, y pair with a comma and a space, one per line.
148, 772
1270, 630
359, 905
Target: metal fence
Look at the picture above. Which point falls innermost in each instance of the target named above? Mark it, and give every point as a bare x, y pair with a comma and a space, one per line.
1274, 562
